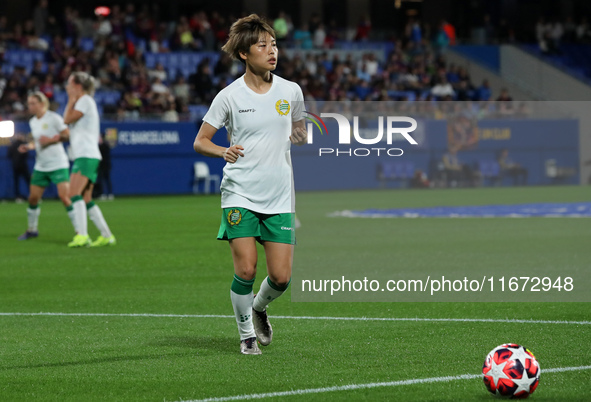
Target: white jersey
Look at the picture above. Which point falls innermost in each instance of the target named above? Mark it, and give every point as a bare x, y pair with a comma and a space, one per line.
84, 133
262, 180
52, 157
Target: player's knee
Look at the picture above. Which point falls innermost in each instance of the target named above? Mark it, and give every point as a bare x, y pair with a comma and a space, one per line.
33, 200
281, 281
247, 271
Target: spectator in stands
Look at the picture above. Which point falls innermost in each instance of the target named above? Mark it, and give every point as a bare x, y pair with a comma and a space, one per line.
484, 92
450, 31
556, 35
303, 38
363, 29
47, 87
102, 27
20, 169
505, 103
171, 115
512, 169
582, 31
280, 27
202, 82
319, 37
442, 89
181, 89
158, 72
419, 180
5, 32
158, 87
570, 30
40, 18
457, 173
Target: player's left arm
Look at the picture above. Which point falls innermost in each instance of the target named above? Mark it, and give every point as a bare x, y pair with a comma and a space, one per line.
298, 136
63, 136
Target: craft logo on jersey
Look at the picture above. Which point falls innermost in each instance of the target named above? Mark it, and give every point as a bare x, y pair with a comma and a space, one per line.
234, 217
282, 107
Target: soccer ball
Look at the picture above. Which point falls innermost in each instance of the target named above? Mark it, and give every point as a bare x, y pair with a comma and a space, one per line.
511, 370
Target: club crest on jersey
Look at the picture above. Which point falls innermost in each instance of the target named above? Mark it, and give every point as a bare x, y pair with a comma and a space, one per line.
45, 126
282, 106
234, 217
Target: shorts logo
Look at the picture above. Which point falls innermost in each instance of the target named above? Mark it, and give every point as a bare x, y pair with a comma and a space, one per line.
282, 106
234, 217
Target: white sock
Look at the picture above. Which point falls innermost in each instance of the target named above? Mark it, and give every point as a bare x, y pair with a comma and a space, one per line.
95, 215
267, 293
72, 216
80, 214
242, 305
33, 218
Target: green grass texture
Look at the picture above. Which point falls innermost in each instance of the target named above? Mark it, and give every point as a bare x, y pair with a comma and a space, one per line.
113, 342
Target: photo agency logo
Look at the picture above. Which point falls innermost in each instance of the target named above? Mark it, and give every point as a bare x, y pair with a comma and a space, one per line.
387, 128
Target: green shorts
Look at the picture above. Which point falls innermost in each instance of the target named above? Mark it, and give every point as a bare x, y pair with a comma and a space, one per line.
44, 179
242, 222
87, 167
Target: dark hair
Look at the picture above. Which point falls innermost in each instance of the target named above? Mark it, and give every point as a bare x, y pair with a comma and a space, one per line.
244, 33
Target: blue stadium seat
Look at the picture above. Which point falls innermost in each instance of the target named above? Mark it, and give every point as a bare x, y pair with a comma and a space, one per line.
490, 170
197, 112
150, 60
396, 171
60, 97
87, 44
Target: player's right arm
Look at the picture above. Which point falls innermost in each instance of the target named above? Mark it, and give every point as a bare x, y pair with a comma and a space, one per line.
205, 146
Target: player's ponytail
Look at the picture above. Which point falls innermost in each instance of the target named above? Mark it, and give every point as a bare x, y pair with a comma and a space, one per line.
86, 80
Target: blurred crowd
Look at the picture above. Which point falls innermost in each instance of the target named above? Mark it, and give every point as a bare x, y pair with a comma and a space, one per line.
550, 34
112, 47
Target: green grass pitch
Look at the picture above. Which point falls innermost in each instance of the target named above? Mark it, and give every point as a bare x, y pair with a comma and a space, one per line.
167, 261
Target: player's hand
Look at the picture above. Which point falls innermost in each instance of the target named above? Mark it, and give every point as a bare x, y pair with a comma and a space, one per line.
23, 148
298, 136
231, 154
45, 141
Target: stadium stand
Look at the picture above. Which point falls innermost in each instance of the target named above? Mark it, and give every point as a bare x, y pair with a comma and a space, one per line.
125, 50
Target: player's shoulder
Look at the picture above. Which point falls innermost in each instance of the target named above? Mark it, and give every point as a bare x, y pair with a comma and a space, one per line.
227, 92
87, 99
286, 83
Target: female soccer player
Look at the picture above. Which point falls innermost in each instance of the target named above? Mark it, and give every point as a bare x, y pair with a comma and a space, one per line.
51, 162
263, 114
82, 115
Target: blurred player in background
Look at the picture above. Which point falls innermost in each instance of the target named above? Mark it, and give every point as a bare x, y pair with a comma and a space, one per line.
263, 114
19, 165
51, 162
82, 116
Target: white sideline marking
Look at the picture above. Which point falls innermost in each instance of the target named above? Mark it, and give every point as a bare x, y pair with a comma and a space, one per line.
491, 320
353, 387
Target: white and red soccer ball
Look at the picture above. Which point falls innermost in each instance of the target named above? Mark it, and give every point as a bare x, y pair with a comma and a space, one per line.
511, 370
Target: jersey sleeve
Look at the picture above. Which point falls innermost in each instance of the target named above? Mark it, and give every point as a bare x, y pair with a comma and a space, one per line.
218, 113
82, 105
58, 123
298, 105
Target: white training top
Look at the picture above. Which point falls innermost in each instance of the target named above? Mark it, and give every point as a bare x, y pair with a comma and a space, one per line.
52, 157
262, 180
84, 133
